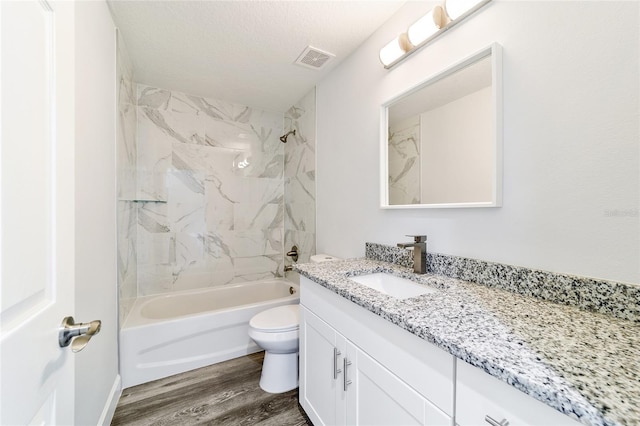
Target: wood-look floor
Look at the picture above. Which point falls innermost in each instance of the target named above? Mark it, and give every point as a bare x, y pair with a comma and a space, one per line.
227, 393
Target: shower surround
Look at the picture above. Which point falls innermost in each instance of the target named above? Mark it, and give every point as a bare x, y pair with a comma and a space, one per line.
404, 162
207, 193
126, 165
210, 190
300, 178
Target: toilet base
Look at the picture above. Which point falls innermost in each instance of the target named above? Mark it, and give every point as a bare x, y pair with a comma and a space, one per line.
279, 372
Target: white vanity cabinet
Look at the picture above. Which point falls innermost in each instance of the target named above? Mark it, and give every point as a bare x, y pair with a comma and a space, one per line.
394, 377
341, 385
321, 351
375, 396
485, 400
358, 369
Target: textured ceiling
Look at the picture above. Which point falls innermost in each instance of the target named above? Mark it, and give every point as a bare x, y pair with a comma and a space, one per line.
242, 51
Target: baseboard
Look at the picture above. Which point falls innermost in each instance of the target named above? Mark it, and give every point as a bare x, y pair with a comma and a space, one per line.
110, 406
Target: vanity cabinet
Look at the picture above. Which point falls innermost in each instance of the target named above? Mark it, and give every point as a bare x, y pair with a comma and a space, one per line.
342, 385
358, 369
485, 400
375, 396
321, 393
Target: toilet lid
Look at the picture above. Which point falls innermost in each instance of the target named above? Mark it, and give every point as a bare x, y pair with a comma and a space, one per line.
282, 318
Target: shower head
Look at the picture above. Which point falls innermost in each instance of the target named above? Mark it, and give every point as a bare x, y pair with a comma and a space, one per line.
284, 137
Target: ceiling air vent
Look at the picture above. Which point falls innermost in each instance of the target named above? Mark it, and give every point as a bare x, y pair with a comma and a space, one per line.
314, 58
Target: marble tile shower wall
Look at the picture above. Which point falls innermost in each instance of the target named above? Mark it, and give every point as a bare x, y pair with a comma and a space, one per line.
300, 178
212, 173
404, 162
126, 183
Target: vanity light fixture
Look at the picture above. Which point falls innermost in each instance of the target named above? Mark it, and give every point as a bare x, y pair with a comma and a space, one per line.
456, 9
395, 49
427, 26
430, 26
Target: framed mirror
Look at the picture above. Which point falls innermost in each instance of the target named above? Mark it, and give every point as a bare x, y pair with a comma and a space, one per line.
441, 141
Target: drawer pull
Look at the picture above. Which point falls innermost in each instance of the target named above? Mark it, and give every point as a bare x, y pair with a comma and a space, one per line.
492, 422
336, 370
346, 382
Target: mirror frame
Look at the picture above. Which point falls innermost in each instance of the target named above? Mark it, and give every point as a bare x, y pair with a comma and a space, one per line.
495, 52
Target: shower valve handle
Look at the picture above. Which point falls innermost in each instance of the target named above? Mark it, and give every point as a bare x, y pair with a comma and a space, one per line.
293, 253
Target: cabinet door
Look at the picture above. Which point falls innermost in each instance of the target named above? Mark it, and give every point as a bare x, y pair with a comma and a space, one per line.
479, 395
375, 396
320, 393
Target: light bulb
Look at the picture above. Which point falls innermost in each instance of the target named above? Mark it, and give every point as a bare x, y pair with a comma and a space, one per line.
395, 49
426, 26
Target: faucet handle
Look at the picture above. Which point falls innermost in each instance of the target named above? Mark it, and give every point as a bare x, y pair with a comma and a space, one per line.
418, 238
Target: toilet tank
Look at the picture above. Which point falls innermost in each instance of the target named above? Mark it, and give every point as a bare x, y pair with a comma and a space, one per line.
320, 258
316, 258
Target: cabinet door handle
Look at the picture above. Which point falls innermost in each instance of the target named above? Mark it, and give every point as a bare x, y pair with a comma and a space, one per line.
346, 381
336, 370
493, 422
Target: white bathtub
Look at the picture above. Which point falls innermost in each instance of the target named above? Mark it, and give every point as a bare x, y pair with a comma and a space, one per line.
173, 333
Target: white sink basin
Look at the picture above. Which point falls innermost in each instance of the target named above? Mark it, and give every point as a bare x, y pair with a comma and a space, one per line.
391, 285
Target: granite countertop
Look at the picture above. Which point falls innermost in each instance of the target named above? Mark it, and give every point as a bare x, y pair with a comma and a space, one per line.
584, 364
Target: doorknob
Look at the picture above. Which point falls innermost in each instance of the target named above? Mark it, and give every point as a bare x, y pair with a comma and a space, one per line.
82, 333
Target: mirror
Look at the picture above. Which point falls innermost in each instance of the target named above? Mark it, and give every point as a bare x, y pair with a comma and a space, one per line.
441, 141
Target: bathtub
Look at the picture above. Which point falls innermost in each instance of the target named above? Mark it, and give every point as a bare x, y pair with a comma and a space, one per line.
172, 333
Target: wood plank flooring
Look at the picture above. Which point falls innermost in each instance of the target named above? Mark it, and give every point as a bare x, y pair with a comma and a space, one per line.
227, 393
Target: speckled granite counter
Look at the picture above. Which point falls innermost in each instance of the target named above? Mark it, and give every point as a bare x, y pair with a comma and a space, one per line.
584, 364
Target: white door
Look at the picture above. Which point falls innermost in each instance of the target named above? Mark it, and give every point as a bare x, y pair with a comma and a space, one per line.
37, 214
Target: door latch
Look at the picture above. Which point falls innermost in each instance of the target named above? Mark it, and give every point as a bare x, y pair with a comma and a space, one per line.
78, 335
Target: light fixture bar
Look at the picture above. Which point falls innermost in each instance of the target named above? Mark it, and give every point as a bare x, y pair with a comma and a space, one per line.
426, 26
395, 49
429, 27
459, 9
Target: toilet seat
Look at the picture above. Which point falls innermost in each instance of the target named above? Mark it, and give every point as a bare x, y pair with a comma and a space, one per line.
277, 320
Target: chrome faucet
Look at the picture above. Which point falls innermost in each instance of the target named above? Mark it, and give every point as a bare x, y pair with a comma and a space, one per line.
419, 245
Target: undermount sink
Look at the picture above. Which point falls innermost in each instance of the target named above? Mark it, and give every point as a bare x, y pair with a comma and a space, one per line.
391, 285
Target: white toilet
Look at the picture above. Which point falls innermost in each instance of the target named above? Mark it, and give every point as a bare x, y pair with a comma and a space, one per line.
276, 330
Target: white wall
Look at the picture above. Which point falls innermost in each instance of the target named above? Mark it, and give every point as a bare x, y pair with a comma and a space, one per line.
571, 132
97, 377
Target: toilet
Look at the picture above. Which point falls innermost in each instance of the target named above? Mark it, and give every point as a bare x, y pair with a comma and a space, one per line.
276, 330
